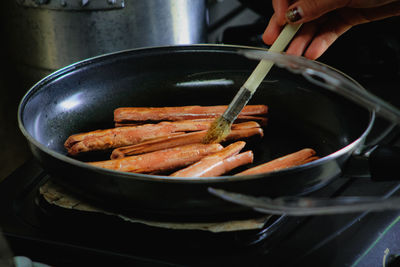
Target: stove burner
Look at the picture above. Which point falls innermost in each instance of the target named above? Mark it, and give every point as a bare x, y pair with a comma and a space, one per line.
62, 237
31, 220
57, 214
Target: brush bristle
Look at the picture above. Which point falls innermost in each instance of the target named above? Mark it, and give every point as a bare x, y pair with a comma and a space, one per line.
218, 130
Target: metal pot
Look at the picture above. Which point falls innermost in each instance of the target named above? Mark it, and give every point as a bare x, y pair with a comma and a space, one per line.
46, 35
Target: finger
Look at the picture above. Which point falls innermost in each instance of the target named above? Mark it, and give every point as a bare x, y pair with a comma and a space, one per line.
382, 12
307, 10
280, 8
355, 16
342, 20
369, 3
302, 39
329, 31
272, 31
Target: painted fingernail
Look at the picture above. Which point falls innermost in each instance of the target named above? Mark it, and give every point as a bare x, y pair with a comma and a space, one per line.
294, 14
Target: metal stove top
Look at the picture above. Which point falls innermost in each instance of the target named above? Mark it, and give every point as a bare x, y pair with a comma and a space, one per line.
61, 237
30, 222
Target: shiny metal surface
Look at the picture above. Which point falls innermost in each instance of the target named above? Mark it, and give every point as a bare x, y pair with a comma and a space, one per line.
306, 206
44, 40
66, 5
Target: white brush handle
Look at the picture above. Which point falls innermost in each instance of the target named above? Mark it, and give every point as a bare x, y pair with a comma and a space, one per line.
257, 76
264, 66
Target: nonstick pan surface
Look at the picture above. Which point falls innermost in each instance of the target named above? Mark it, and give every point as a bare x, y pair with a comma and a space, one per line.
82, 97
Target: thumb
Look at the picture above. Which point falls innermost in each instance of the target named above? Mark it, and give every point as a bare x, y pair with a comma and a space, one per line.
307, 10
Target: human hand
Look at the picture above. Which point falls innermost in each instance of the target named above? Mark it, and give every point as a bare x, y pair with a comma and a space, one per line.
324, 21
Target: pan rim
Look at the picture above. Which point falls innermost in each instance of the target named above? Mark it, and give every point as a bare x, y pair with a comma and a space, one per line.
159, 178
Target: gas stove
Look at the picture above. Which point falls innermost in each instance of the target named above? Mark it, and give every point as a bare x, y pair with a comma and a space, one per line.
59, 236
64, 237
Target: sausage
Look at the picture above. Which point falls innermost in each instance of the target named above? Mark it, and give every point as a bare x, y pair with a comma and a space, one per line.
162, 160
178, 140
124, 136
217, 163
294, 159
179, 113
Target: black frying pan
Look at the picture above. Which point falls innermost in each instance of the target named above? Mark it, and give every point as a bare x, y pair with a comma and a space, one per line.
82, 97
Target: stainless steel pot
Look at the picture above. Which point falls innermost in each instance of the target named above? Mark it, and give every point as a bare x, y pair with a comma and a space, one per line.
49, 34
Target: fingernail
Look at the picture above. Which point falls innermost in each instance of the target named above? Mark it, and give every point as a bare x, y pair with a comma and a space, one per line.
294, 14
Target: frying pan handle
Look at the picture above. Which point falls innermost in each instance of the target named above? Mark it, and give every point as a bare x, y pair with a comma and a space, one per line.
384, 162
379, 159
379, 164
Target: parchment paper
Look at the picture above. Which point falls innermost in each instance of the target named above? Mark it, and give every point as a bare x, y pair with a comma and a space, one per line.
56, 195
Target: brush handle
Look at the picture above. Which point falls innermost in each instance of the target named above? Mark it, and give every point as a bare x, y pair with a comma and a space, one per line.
257, 76
264, 66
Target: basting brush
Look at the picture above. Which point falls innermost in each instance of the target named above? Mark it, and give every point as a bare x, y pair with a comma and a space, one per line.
221, 127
